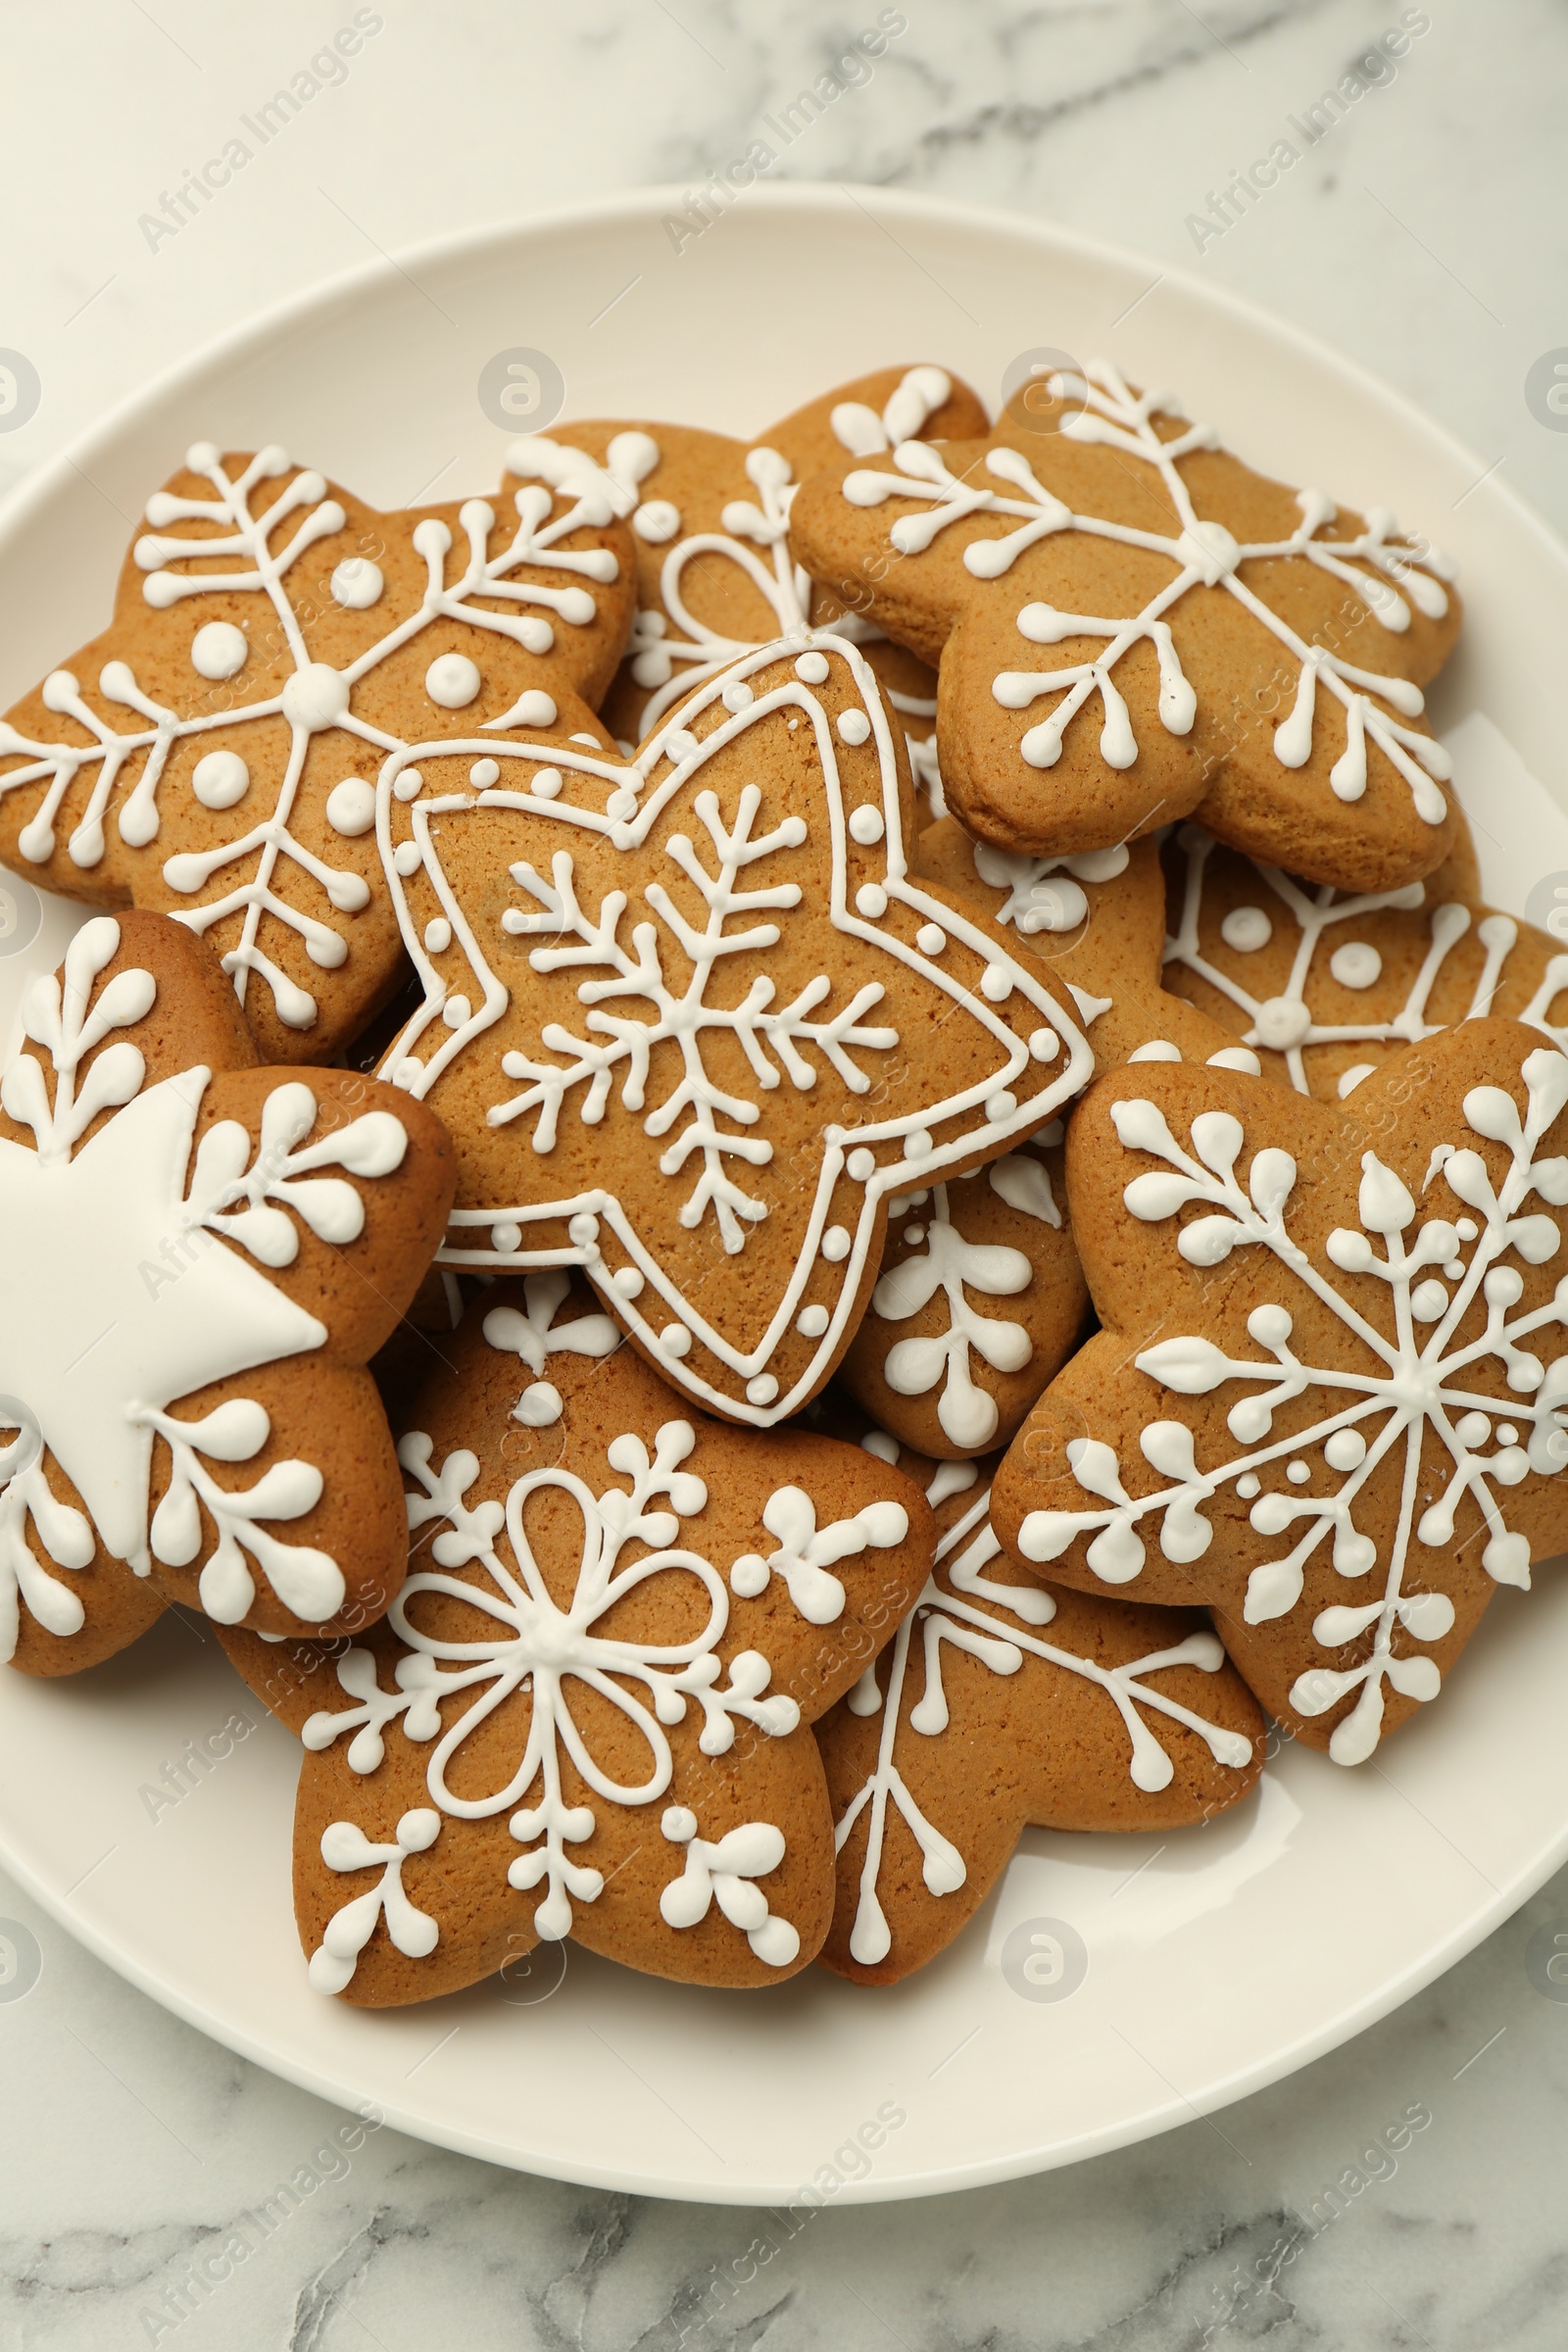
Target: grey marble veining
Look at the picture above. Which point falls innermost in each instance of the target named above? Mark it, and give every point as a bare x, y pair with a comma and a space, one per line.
1425, 233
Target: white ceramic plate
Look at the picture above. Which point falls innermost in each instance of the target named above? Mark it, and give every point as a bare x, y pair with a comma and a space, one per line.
1218, 1961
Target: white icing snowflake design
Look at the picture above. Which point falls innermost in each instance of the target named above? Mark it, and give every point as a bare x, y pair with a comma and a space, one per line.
543, 1648
1286, 1023
754, 538
314, 698
1204, 554
706, 1136
999, 1625
1419, 1382
957, 1268
154, 1309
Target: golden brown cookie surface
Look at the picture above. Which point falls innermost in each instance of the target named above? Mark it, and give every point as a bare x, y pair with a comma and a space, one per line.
587, 1712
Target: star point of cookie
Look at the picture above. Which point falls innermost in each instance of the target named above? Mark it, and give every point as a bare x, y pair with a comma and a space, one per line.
1328, 1398
203, 1256
587, 1712
709, 517
1212, 642
1324, 985
999, 1705
212, 753
691, 1020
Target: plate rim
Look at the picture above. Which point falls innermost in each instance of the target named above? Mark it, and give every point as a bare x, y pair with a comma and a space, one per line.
814, 201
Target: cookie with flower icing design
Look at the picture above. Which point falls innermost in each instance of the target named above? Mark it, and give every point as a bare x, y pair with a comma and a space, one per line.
999, 1704
691, 1021
1324, 985
1132, 625
978, 1303
586, 1713
212, 753
202, 1256
1097, 922
709, 515
1329, 1396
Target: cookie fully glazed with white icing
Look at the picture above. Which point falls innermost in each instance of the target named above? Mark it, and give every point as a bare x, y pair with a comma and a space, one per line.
1132, 625
1323, 985
691, 1021
201, 1256
213, 755
999, 1705
587, 1712
1330, 1397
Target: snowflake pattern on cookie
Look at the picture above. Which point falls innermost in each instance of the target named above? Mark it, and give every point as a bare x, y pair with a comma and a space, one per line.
586, 1703
1351, 1396
1211, 585
213, 755
630, 1087
172, 1236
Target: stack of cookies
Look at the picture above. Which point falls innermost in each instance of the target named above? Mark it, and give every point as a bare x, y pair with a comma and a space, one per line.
772, 1156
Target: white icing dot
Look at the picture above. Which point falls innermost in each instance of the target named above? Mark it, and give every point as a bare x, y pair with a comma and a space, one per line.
315, 697
455, 1011
853, 726
1467, 1229
539, 1405
865, 825
484, 773
1507, 1435
681, 744
1282, 1023
1473, 1430
410, 784
675, 1339
1428, 1300
622, 802
762, 1390
592, 741
1001, 1106
1045, 1045
835, 1244
437, 935
1158, 1048
861, 1165
350, 807
1234, 1058
1357, 965
812, 1322
407, 858
357, 583
536, 708
407, 1072
871, 900
1351, 1078
546, 784
917, 1144
930, 938
453, 681
996, 984
656, 521
583, 1229
220, 779
1346, 1450
505, 1237
1298, 1473
1247, 1486
1247, 929
627, 1282
812, 668
219, 649
737, 696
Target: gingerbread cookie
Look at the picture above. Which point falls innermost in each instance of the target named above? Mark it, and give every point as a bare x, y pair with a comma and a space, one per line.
979, 1301
213, 755
691, 1021
1324, 984
999, 1704
1215, 642
1097, 922
586, 1712
1328, 1398
202, 1256
710, 515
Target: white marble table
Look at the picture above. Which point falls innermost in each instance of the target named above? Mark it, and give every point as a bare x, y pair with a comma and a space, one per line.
1425, 233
